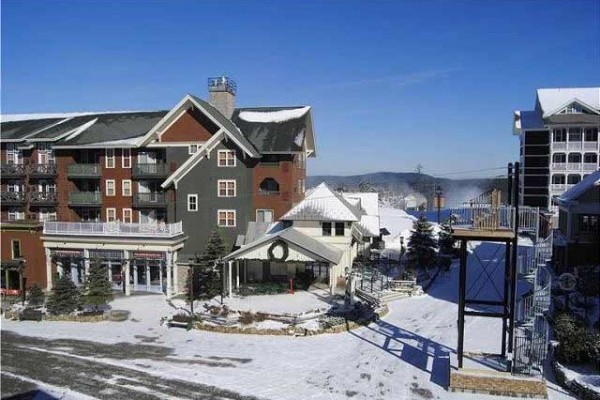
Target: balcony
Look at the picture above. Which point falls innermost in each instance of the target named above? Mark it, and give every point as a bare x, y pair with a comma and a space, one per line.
559, 145
158, 171
574, 166
574, 146
590, 146
12, 198
112, 229
590, 167
85, 199
83, 171
43, 198
151, 200
42, 170
556, 166
12, 170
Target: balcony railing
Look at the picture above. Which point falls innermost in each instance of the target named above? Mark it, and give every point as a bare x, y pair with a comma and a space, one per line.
113, 229
590, 167
590, 145
487, 218
559, 145
12, 198
559, 166
158, 170
13, 169
152, 199
85, 199
84, 171
265, 192
45, 198
574, 166
558, 187
42, 170
574, 145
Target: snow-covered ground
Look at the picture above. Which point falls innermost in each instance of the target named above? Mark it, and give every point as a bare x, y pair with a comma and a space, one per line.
391, 359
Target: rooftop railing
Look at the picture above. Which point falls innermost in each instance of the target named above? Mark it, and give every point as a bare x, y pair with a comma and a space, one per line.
160, 230
487, 218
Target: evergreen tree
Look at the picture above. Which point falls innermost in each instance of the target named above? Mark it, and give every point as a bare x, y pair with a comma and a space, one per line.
421, 245
446, 241
36, 295
65, 296
204, 275
97, 290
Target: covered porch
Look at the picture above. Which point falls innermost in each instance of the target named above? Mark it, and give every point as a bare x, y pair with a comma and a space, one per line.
287, 257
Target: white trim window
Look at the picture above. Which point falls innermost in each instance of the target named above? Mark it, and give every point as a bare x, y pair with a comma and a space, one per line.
226, 158
109, 158
110, 187
264, 215
45, 153
192, 148
127, 215
126, 159
192, 202
16, 249
126, 187
111, 214
13, 154
226, 188
226, 218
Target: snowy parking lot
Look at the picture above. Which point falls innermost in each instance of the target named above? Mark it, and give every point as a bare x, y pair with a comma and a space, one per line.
403, 356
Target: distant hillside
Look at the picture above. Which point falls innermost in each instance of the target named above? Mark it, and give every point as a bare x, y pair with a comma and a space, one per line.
399, 184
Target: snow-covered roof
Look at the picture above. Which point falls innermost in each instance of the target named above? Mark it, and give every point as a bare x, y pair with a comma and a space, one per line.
552, 100
589, 182
268, 116
323, 204
369, 201
370, 224
36, 116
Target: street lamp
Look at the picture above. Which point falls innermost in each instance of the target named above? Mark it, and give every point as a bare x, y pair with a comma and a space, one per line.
438, 194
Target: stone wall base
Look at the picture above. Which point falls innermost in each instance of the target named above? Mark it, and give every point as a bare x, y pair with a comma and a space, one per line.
496, 383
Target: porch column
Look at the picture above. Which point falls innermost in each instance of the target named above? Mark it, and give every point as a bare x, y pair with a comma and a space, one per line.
169, 261
175, 274
237, 275
48, 269
86, 262
229, 278
126, 268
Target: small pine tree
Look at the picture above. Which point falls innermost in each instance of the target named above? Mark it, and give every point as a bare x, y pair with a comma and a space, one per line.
446, 241
36, 295
204, 277
422, 245
97, 290
65, 296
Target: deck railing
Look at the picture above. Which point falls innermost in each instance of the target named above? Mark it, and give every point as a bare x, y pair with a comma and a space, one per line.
113, 229
84, 170
42, 169
488, 218
10, 169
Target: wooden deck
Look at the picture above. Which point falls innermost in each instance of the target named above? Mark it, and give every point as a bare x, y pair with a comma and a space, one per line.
469, 233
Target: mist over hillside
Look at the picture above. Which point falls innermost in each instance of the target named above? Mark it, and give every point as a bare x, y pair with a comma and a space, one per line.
393, 186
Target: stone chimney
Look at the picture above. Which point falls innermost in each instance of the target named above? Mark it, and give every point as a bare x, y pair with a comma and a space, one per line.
221, 92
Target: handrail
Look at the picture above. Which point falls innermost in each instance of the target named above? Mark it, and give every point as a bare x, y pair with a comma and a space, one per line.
113, 228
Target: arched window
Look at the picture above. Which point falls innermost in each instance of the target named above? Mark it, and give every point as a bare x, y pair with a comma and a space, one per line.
575, 158
573, 179
269, 186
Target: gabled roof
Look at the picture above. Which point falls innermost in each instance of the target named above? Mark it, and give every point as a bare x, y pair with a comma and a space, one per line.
553, 100
592, 181
277, 129
314, 247
17, 131
323, 204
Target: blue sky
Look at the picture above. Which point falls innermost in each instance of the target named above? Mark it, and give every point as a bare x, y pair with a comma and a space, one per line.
392, 84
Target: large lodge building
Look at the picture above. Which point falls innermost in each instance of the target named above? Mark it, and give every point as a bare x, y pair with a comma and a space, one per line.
141, 192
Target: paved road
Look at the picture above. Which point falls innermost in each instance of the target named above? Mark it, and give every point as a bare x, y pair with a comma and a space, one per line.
29, 359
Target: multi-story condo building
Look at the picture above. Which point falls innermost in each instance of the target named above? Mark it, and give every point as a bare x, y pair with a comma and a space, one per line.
559, 143
142, 191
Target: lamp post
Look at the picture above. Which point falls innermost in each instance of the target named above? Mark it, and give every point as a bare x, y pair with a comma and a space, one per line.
438, 194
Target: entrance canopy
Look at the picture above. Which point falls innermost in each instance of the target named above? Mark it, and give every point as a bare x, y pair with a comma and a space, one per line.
287, 245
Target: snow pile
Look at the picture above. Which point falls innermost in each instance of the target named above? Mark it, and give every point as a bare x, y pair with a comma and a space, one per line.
273, 116
299, 139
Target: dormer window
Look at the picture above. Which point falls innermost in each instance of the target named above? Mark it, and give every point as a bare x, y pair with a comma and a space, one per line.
336, 228
574, 108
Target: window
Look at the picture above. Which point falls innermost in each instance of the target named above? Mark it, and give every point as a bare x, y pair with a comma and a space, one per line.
110, 158
110, 187
339, 228
263, 215
16, 249
574, 158
559, 135
559, 158
558, 179
268, 186
126, 187
591, 134
326, 228
126, 158
574, 134
226, 158
590, 158
45, 154
573, 179
226, 188
13, 154
127, 215
226, 218
47, 215
14, 214
588, 223
193, 148
111, 214
192, 202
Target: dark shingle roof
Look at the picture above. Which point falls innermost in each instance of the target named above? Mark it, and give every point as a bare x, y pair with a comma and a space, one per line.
273, 136
20, 129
